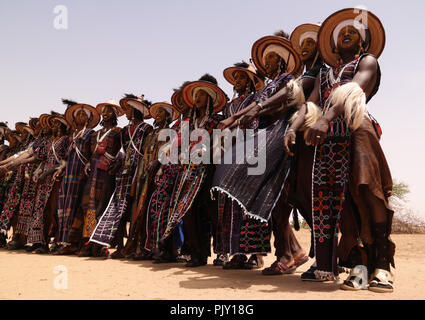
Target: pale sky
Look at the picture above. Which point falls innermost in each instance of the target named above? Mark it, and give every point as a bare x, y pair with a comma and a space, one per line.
115, 47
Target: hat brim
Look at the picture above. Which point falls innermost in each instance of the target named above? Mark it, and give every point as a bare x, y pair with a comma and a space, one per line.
136, 104
229, 75
156, 106
95, 116
33, 123
45, 121
374, 25
175, 101
299, 31
219, 102
293, 61
117, 107
20, 127
63, 120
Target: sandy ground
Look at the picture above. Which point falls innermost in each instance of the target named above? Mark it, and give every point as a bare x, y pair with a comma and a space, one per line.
29, 276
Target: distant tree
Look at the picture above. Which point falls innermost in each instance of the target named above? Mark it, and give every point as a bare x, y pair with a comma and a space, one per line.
400, 189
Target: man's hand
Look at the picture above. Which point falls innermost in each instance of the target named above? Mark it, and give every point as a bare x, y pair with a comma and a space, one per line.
288, 140
226, 122
87, 169
246, 120
318, 132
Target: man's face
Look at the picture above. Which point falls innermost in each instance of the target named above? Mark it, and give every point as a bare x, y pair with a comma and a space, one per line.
108, 113
128, 113
348, 39
81, 117
201, 99
271, 63
160, 116
241, 81
308, 49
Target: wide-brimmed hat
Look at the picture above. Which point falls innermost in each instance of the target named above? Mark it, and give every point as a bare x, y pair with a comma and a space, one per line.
112, 103
218, 96
176, 99
22, 126
302, 32
45, 120
33, 123
368, 25
135, 102
229, 75
169, 108
61, 118
280, 46
91, 112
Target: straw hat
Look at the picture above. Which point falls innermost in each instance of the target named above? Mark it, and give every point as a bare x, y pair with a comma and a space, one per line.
33, 123
229, 75
62, 119
176, 101
279, 45
112, 103
91, 112
302, 32
130, 100
21, 126
217, 95
169, 108
45, 121
368, 25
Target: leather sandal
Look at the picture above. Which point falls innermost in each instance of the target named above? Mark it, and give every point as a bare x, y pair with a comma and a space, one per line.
357, 280
237, 262
278, 268
254, 262
66, 250
40, 249
15, 245
382, 281
301, 260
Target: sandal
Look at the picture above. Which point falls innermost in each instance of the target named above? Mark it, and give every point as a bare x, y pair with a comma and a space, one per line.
196, 262
254, 262
182, 258
15, 245
40, 249
117, 255
237, 262
162, 259
300, 261
278, 268
85, 251
220, 260
357, 280
66, 250
382, 281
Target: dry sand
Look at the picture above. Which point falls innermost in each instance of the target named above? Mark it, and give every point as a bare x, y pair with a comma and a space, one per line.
29, 276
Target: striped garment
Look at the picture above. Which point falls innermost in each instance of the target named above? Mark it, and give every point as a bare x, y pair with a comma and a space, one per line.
73, 183
105, 231
57, 150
